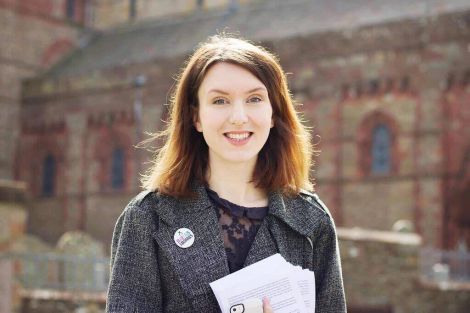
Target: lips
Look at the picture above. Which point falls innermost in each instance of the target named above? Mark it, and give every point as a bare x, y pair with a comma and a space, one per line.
238, 135
238, 138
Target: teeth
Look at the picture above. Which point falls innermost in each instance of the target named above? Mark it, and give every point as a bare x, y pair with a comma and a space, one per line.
238, 136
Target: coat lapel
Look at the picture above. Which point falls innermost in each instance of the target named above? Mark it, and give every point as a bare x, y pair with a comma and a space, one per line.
203, 262
274, 237
263, 245
296, 212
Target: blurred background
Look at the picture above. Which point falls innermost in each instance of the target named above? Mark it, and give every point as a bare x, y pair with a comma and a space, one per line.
385, 86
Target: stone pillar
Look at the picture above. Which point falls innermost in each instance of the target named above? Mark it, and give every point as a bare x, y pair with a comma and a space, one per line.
75, 176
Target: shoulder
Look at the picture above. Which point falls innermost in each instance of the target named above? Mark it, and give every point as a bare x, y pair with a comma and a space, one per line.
142, 206
303, 212
152, 205
313, 202
143, 196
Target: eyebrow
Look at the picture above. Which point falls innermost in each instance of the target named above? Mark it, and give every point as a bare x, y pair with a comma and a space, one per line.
226, 93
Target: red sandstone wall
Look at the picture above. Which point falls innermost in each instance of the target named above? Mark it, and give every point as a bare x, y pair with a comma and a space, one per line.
346, 83
34, 35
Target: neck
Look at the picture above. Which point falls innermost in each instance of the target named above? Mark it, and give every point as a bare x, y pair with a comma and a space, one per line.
232, 182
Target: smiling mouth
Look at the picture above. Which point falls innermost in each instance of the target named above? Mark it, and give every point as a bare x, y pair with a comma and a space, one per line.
238, 136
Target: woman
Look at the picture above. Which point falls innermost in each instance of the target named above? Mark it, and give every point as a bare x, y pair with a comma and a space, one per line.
228, 189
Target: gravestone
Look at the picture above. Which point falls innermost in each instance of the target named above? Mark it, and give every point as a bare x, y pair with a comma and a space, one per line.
84, 266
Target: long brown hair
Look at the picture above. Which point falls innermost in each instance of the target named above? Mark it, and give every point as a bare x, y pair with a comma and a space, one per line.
284, 161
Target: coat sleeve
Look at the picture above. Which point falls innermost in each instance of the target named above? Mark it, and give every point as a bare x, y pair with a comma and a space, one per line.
134, 278
330, 296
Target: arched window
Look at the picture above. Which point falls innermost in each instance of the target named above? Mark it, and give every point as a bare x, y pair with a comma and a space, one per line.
117, 169
381, 150
377, 145
48, 176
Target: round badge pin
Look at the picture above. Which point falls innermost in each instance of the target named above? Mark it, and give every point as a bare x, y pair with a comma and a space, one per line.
184, 238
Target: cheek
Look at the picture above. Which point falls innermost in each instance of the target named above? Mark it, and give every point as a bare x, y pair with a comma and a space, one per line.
208, 121
265, 119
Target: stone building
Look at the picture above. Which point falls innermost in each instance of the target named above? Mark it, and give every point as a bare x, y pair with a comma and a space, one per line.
109, 13
34, 35
386, 91
385, 87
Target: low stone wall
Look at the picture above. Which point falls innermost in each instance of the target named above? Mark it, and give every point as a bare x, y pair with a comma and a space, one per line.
62, 302
12, 226
16, 270
382, 274
12, 212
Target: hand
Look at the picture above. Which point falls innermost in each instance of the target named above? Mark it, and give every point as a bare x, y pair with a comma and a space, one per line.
267, 306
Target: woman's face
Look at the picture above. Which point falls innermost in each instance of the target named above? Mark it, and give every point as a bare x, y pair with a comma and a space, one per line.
234, 114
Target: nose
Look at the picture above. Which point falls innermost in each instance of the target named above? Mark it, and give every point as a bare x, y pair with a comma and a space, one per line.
238, 114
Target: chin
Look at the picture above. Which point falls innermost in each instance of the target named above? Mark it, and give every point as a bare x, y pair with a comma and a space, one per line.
239, 158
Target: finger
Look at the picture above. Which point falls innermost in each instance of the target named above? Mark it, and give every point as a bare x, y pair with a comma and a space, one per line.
267, 306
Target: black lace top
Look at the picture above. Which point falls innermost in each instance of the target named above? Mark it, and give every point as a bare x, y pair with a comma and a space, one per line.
239, 226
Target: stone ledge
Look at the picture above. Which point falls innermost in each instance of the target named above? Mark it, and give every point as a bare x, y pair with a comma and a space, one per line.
445, 286
361, 234
44, 294
12, 191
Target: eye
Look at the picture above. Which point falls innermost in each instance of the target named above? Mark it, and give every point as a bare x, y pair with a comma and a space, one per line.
255, 99
219, 101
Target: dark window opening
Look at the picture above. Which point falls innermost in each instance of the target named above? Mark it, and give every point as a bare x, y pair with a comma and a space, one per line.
374, 86
117, 169
48, 176
381, 146
405, 84
132, 9
70, 9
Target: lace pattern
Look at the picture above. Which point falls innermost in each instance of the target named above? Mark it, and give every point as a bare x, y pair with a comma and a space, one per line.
239, 226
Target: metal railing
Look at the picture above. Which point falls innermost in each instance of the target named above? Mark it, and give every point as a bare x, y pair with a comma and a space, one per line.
441, 266
60, 272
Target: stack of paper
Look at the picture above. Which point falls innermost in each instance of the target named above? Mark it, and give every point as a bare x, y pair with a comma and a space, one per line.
289, 288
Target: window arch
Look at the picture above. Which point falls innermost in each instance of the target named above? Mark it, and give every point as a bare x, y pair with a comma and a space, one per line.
117, 168
48, 176
55, 51
377, 145
381, 149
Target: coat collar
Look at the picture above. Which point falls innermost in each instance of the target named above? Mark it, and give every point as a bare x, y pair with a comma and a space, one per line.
168, 204
300, 212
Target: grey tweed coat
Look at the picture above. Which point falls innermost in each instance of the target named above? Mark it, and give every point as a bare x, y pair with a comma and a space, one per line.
150, 273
